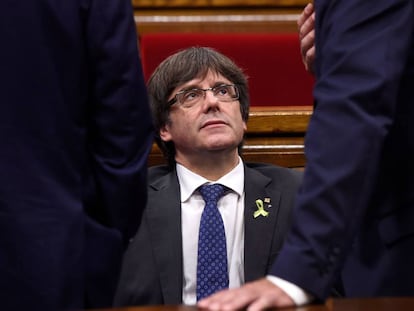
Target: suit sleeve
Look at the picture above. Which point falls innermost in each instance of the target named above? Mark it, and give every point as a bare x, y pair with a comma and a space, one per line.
120, 132
361, 47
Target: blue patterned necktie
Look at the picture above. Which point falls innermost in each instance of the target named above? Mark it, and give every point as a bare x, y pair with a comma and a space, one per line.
212, 274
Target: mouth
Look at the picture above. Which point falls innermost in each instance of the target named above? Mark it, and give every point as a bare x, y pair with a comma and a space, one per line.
213, 123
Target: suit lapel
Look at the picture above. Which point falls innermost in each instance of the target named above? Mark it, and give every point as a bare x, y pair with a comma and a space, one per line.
259, 231
164, 217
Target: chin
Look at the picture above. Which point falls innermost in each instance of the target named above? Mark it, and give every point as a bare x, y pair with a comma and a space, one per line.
221, 142
221, 145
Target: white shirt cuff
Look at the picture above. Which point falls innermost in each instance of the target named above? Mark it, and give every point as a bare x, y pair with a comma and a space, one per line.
297, 294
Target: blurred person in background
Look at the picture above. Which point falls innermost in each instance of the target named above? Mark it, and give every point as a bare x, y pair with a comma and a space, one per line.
75, 132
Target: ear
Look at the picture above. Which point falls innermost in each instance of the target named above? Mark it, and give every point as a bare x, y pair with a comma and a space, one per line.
165, 134
244, 126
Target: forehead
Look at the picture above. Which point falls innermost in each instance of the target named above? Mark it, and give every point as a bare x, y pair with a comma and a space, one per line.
210, 79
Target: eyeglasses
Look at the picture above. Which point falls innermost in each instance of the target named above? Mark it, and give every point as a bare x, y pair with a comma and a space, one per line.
189, 98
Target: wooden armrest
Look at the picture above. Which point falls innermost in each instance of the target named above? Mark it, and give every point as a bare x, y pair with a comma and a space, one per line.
278, 120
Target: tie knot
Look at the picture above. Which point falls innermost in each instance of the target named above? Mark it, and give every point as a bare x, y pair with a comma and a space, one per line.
212, 193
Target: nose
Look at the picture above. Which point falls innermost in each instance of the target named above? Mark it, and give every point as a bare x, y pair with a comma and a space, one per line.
210, 101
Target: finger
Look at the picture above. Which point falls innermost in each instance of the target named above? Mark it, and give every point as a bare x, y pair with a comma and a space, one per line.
307, 42
307, 26
271, 297
267, 302
309, 8
231, 299
226, 299
307, 50
310, 59
306, 13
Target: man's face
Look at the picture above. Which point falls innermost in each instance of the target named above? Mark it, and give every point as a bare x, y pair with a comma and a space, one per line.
210, 125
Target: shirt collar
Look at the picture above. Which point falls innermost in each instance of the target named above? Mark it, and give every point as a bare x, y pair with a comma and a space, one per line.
190, 181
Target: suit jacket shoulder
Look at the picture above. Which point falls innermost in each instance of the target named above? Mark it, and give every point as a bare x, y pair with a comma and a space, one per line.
273, 188
152, 268
282, 176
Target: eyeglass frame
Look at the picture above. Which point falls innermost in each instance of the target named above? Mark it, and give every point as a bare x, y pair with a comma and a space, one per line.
174, 100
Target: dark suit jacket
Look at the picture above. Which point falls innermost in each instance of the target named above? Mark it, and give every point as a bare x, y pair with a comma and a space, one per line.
152, 271
355, 212
75, 132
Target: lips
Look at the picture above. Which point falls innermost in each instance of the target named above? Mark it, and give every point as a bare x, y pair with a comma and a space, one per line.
213, 123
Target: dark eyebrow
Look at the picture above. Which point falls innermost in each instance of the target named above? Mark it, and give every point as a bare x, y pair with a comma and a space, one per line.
189, 87
195, 86
192, 88
220, 83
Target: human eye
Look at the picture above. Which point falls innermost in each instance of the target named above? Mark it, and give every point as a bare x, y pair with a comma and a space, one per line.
224, 91
191, 96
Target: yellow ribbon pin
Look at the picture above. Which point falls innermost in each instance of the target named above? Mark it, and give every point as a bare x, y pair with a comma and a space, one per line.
260, 209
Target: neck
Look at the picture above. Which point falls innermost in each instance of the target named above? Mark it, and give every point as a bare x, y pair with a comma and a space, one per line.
212, 166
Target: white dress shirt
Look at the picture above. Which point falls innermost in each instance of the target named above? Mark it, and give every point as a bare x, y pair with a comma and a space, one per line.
298, 295
231, 207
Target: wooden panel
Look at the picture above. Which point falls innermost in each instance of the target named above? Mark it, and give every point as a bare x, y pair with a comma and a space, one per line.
274, 135
287, 151
217, 3
253, 21
217, 15
278, 120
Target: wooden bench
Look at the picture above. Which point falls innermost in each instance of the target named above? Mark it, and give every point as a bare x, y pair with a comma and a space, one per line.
274, 135
165, 16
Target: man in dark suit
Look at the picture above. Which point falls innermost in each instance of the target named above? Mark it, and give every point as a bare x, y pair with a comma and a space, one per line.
200, 107
355, 210
75, 132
